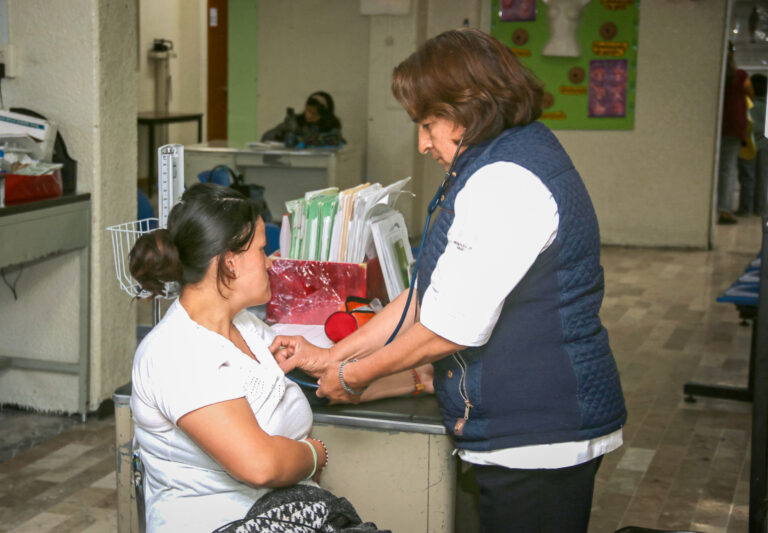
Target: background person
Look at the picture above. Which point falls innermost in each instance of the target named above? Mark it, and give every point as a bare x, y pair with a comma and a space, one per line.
318, 125
753, 173
733, 135
509, 292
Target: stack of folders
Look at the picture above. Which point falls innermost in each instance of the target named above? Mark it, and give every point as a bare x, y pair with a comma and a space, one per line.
390, 237
342, 226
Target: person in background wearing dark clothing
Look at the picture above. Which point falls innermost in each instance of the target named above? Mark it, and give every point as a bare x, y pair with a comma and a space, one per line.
318, 125
733, 135
753, 173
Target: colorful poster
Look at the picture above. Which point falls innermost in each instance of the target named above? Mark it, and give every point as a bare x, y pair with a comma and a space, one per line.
608, 88
585, 53
517, 10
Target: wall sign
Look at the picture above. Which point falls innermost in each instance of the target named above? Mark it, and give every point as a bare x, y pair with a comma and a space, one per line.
585, 52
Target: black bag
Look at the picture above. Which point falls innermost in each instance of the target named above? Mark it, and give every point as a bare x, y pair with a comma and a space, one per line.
301, 508
237, 182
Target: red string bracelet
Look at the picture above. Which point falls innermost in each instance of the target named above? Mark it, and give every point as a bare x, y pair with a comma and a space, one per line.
419, 386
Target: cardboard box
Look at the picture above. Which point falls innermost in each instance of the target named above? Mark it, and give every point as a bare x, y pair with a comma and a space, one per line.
307, 292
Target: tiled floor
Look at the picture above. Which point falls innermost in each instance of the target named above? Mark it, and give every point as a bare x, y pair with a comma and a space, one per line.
683, 466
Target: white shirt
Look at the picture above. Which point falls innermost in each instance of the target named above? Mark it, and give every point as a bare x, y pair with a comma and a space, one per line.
179, 367
505, 217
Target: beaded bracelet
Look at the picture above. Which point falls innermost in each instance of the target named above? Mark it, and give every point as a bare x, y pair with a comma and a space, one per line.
325, 448
346, 387
419, 386
314, 456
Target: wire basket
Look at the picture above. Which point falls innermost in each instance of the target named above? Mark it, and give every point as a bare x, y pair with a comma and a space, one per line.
124, 236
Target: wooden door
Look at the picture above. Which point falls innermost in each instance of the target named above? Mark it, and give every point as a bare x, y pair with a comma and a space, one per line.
217, 70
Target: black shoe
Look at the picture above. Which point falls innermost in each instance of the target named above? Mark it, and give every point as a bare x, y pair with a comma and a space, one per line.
726, 218
742, 213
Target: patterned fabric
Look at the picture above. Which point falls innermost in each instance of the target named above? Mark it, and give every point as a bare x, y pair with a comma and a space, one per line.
300, 509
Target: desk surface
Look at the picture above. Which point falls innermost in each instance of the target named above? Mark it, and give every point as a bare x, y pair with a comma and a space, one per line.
43, 204
414, 414
158, 117
224, 146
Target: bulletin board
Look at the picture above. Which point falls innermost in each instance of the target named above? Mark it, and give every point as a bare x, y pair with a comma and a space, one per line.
588, 64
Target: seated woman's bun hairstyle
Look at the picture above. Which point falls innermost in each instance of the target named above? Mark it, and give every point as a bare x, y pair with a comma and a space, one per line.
154, 261
209, 221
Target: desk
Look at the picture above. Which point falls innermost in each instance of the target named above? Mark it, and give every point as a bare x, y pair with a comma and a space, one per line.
391, 458
36, 231
156, 118
285, 173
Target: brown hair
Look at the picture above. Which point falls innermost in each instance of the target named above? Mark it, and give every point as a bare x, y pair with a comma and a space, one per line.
471, 78
209, 221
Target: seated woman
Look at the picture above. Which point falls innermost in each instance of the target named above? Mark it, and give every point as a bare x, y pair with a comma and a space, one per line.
216, 421
317, 126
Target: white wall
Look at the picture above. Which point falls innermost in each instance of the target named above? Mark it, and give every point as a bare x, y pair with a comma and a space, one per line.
652, 186
183, 23
73, 70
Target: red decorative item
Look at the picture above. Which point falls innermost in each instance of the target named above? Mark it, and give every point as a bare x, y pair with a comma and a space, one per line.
307, 292
23, 188
339, 325
353, 314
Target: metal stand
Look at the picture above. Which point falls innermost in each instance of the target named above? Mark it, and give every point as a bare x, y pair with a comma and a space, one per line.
726, 392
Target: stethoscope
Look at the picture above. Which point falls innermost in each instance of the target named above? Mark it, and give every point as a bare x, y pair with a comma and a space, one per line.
304, 380
431, 208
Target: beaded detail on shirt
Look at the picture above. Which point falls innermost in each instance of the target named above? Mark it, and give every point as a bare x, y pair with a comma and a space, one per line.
264, 388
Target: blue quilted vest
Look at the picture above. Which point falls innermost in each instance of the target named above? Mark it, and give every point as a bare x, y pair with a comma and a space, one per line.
547, 374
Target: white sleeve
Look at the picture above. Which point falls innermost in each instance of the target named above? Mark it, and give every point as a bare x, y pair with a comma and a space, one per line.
182, 383
505, 217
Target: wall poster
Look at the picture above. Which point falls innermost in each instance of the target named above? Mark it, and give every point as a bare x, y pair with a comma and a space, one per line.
585, 52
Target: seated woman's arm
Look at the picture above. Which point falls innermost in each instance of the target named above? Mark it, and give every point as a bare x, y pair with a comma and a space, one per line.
229, 433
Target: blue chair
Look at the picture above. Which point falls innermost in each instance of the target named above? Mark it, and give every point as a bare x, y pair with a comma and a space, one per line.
273, 237
145, 209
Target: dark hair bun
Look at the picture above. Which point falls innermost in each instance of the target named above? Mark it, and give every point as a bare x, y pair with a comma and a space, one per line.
154, 260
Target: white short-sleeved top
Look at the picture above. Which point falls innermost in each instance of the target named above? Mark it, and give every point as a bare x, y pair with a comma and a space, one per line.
179, 367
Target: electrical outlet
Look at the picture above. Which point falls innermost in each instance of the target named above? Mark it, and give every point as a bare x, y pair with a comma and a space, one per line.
8, 58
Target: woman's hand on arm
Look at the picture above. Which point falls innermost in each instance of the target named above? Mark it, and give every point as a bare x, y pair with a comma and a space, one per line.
416, 346
297, 352
229, 433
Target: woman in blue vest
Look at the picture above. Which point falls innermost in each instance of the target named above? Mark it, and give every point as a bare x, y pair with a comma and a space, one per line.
509, 291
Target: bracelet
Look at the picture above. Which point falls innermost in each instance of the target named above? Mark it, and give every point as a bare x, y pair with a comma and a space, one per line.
314, 456
325, 448
419, 386
346, 387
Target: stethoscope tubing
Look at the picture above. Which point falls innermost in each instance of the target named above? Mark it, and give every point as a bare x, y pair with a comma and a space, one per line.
431, 208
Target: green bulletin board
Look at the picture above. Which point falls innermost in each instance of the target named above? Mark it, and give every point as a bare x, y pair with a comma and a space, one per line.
591, 88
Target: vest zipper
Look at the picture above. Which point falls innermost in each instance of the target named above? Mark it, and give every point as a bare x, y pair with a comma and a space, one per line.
458, 428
